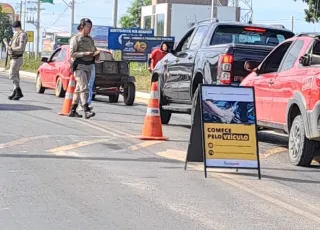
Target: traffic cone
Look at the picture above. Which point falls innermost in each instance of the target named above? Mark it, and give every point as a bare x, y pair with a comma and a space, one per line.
66, 107
152, 128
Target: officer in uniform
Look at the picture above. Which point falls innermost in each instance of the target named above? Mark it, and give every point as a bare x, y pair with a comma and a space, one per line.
83, 52
15, 49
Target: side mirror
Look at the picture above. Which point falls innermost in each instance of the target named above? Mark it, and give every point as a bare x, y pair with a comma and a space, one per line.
251, 66
44, 59
305, 60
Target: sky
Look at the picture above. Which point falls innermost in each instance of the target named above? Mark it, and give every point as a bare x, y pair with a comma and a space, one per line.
57, 17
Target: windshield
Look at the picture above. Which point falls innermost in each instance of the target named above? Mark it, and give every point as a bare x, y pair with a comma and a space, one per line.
249, 35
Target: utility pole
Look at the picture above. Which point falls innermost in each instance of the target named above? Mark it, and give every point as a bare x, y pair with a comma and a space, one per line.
38, 29
24, 14
72, 15
71, 5
20, 17
292, 23
115, 13
212, 8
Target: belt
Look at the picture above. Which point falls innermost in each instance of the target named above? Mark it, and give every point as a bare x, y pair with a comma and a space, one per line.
16, 56
83, 62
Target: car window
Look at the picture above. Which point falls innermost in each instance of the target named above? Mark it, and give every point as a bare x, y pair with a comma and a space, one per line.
183, 44
292, 55
272, 62
316, 47
62, 56
55, 55
225, 34
196, 40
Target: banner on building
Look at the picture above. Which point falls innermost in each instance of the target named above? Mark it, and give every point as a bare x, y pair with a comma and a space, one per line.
137, 49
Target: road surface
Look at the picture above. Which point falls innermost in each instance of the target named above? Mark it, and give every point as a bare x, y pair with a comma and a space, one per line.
62, 173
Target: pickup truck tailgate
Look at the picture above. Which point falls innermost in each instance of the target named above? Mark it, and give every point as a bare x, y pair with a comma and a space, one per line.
243, 53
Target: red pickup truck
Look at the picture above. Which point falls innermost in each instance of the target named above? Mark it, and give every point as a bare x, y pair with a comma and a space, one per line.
287, 92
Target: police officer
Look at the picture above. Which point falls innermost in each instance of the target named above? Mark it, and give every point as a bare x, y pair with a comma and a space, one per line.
83, 52
15, 49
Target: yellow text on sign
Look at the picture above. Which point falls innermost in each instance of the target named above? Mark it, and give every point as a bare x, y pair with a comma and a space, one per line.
230, 141
30, 35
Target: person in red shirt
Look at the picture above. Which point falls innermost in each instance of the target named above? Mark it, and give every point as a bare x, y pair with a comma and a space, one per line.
156, 56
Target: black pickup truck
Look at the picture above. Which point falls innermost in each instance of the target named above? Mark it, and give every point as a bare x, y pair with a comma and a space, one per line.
211, 52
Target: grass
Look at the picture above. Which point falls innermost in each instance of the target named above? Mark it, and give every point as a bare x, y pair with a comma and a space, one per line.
138, 70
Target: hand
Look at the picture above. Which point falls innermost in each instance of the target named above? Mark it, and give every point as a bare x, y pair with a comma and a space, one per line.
228, 115
150, 70
88, 54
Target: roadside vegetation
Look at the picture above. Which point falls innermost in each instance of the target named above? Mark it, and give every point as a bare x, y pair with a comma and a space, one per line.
138, 70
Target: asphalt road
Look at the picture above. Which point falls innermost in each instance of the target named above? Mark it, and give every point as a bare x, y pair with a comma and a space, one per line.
62, 173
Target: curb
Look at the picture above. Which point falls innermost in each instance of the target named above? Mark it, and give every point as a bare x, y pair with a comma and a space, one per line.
24, 74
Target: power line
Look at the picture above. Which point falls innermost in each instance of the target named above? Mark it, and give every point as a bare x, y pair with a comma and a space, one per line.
56, 19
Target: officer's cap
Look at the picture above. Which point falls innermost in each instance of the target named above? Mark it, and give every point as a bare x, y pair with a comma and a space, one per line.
16, 24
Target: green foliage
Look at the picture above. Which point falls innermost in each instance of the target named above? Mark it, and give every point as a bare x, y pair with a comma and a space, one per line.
138, 70
5, 26
312, 14
30, 63
133, 16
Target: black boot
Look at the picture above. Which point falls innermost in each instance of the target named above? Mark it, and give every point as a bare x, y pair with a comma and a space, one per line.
87, 112
13, 94
74, 112
18, 94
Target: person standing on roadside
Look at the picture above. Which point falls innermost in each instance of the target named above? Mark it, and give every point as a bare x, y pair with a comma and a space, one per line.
15, 50
84, 53
156, 55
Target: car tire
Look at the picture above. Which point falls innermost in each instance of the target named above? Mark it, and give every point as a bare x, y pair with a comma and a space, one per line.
59, 90
114, 98
129, 93
301, 149
39, 88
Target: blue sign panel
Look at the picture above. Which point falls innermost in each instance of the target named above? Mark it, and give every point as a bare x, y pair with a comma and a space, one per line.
136, 49
98, 33
116, 34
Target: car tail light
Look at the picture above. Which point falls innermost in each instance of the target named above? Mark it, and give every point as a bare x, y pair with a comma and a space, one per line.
224, 69
255, 29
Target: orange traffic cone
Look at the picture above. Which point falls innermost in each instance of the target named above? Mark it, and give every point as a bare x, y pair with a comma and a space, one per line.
152, 128
66, 107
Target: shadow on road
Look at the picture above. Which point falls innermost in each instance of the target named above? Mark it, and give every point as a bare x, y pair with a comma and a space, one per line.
39, 156
124, 114
274, 139
21, 107
264, 176
179, 125
312, 168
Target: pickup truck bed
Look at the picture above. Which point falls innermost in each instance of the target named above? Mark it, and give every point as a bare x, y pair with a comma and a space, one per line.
211, 52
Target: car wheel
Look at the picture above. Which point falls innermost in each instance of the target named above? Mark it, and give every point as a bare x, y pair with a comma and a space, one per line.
129, 93
114, 98
301, 150
59, 91
39, 88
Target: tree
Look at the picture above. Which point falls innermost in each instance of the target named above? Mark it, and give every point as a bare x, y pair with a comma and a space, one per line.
133, 16
312, 14
5, 26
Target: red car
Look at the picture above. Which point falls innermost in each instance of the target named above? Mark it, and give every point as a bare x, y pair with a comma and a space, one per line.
54, 73
287, 92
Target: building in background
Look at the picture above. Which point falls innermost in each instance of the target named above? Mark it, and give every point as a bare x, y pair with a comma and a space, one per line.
175, 17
